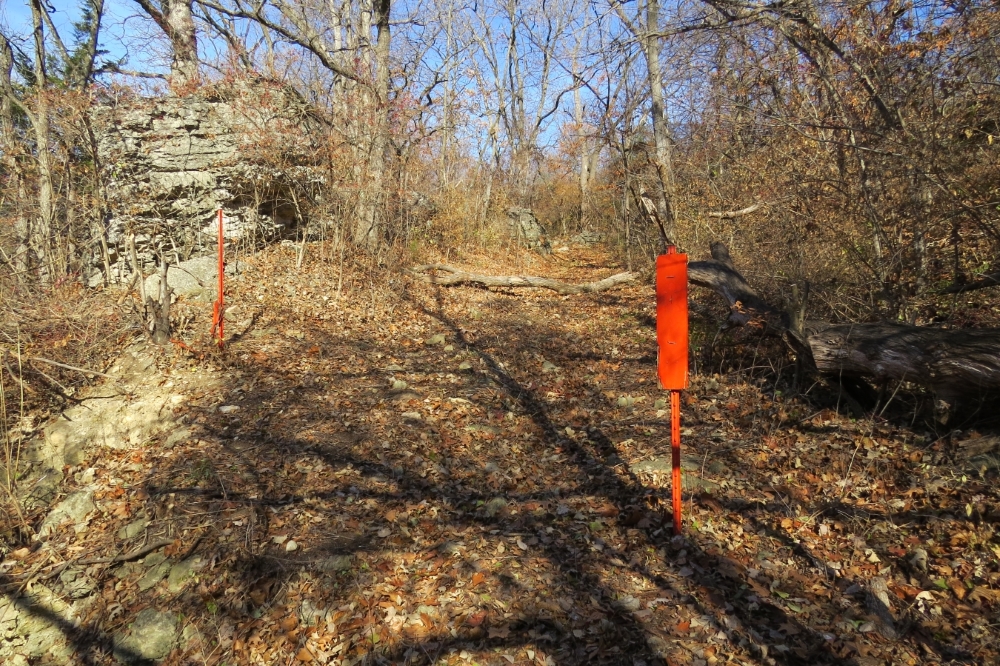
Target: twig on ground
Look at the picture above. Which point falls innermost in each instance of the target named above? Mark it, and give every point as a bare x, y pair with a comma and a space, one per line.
69, 367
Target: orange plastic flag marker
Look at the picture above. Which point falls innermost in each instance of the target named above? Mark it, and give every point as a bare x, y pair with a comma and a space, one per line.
672, 358
218, 308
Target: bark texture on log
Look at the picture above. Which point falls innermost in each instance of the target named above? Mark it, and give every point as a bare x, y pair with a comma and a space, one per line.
951, 362
444, 274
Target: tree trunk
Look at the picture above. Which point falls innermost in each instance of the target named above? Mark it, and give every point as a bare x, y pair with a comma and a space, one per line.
10, 149
665, 203
371, 209
177, 23
40, 233
183, 42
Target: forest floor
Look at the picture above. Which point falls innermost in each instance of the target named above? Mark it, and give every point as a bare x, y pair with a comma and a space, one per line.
416, 474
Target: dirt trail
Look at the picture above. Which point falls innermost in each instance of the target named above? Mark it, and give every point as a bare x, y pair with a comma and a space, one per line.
426, 475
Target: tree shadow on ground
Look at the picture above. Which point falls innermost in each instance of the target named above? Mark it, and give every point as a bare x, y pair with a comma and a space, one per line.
402, 512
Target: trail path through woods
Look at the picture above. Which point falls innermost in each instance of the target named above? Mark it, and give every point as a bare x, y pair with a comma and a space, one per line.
418, 474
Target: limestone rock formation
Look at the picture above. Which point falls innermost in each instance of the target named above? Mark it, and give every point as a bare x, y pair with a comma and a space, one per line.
170, 163
528, 229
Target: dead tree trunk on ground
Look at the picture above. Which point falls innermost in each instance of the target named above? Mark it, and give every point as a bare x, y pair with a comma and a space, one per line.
443, 274
952, 363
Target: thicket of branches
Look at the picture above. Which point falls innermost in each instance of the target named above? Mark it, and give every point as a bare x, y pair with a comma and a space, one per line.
853, 146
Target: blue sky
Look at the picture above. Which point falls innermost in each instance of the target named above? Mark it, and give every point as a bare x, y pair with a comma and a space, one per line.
121, 22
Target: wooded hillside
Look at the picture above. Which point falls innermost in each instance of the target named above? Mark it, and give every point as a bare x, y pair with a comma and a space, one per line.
429, 431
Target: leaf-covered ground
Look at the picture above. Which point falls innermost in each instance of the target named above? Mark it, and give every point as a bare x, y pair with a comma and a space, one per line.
414, 474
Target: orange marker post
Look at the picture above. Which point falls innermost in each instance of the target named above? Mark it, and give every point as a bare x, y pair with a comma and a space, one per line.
672, 359
218, 308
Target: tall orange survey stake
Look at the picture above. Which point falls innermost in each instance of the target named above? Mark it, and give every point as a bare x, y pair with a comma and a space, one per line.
219, 307
672, 356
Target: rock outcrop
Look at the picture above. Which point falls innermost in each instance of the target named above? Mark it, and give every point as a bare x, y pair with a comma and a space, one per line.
171, 163
528, 230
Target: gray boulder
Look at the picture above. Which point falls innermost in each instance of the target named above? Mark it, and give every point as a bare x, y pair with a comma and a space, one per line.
197, 279
151, 636
528, 229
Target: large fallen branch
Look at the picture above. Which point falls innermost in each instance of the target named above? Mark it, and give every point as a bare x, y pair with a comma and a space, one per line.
444, 274
728, 214
990, 280
951, 362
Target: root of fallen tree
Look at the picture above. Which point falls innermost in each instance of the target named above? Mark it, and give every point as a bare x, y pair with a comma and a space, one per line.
444, 274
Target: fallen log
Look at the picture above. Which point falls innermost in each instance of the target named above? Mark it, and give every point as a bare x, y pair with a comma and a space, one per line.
990, 280
444, 274
745, 305
952, 363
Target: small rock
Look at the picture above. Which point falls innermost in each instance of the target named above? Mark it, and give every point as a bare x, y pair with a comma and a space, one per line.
548, 366
626, 401
75, 508
229, 409
392, 367
436, 339
156, 573
630, 603
85, 477
310, 613
182, 571
133, 529
291, 546
464, 366
76, 583
399, 385
176, 437
495, 506
153, 559
403, 396
151, 636
918, 559
448, 548
413, 416
335, 563
449, 348
127, 569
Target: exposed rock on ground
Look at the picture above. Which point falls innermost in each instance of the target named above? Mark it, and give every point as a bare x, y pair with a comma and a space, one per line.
151, 636
195, 278
528, 229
